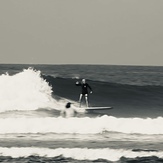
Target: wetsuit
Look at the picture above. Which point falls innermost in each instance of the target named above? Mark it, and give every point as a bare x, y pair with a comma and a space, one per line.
84, 87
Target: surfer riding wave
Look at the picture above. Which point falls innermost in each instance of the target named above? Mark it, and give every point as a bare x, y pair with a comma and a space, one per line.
84, 91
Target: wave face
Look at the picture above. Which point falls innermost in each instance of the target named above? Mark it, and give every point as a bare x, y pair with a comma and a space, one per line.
128, 100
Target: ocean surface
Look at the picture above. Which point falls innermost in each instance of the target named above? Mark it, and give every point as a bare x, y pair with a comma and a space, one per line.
32, 128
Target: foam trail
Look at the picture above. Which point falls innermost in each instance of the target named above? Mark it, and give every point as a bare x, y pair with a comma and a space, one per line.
25, 91
81, 125
77, 153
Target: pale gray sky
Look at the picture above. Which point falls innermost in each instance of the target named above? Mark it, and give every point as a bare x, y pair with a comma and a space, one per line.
120, 32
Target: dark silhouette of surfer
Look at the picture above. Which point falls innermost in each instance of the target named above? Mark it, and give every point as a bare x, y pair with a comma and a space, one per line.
68, 105
68, 111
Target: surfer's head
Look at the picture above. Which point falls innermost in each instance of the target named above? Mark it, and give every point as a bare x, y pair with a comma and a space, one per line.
68, 105
83, 80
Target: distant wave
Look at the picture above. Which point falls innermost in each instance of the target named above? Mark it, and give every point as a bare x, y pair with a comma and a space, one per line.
77, 153
83, 125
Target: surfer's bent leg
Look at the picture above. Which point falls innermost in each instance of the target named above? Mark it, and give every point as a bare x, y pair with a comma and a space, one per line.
86, 99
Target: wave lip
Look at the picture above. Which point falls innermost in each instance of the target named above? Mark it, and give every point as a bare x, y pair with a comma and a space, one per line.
26, 90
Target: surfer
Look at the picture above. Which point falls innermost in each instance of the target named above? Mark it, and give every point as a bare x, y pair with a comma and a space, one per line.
68, 111
84, 92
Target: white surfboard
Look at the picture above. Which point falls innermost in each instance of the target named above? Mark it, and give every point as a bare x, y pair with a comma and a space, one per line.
92, 109
98, 108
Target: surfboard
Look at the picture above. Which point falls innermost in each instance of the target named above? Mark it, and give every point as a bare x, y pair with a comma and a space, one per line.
92, 109
98, 108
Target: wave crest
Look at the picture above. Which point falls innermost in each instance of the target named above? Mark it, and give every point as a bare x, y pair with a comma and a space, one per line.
26, 90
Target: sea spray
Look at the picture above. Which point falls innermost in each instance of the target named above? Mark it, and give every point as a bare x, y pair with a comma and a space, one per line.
25, 90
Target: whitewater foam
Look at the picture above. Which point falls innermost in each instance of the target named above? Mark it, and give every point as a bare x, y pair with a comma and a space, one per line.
77, 153
83, 125
26, 90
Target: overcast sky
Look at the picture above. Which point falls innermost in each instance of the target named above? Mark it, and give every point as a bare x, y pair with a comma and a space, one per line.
118, 32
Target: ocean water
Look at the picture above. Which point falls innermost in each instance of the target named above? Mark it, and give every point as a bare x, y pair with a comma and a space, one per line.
32, 128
